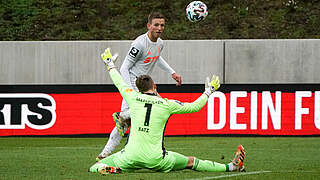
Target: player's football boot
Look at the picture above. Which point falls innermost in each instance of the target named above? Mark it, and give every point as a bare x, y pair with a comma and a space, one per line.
239, 158
108, 170
119, 123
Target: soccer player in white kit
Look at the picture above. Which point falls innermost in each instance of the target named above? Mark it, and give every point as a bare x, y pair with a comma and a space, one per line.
143, 56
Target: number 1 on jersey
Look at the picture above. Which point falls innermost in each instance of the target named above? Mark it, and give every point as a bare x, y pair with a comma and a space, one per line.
148, 106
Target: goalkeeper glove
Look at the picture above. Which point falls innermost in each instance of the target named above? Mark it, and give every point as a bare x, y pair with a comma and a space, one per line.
212, 85
108, 59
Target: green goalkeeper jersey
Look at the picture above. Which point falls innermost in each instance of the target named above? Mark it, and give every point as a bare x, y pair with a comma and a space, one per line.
149, 115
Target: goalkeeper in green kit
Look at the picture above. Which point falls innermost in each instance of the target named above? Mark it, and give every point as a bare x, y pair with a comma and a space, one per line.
149, 115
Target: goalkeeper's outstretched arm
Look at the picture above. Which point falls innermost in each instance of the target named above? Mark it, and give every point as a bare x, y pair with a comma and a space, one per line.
181, 108
115, 76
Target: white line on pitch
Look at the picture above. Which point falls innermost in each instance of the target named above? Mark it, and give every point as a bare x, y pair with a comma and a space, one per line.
231, 175
76, 147
59, 147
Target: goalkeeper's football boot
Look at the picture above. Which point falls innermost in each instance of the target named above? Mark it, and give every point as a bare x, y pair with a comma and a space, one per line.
239, 158
119, 123
108, 170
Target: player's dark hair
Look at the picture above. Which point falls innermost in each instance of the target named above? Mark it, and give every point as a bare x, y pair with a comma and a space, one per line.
144, 83
154, 15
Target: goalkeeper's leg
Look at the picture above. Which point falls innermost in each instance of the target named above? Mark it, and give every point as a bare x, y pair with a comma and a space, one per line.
209, 166
104, 169
206, 165
109, 165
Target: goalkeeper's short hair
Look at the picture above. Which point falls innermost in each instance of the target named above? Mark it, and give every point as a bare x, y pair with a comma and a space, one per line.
144, 83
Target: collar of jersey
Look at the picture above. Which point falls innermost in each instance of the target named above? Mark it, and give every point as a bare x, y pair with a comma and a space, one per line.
151, 94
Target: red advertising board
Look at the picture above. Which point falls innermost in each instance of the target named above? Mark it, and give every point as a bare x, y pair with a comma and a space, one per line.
231, 112
265, 113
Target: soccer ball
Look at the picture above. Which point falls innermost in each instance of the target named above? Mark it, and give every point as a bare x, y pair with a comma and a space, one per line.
196, 11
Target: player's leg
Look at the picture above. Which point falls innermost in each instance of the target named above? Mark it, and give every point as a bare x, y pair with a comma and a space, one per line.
111, 144
122, 121
115, 163
172, 161
209, 166
106, 166
103, 169
181, 161
176, 161
237, 163
115, 137
206, 165
120, 118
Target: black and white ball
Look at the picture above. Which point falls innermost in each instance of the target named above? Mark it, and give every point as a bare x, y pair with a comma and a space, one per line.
196, 11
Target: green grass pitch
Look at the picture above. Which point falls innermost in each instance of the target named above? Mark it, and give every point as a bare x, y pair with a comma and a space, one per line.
69, 158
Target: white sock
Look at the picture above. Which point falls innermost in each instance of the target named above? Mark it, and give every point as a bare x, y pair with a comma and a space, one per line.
231, 167
113, 142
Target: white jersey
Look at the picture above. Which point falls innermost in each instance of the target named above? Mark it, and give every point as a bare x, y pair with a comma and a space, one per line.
142, 58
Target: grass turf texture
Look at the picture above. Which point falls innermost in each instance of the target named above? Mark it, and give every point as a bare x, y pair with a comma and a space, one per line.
69, 158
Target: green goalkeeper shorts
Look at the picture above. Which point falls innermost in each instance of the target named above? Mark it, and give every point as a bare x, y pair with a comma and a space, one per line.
171, 161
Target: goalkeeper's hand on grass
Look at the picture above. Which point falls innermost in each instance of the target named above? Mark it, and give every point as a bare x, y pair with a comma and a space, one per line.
211, 86
108, 59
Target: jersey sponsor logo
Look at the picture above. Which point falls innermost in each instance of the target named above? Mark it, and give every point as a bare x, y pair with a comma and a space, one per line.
151, 59
35, 110
133, 52
149, 101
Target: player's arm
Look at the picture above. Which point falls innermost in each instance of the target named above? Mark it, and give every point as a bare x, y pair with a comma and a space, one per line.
131, 58
125, 91
165, 66
177, 107
124, 70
